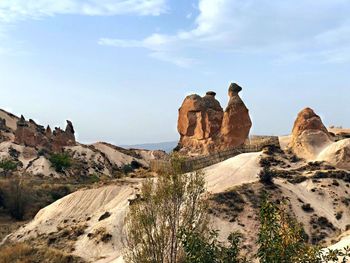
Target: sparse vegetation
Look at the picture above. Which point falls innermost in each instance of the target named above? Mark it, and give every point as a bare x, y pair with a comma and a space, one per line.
167, 207
8, 166
25, 253
282, 239
199, 249
307, 208
266, 176
60, 161
15, 197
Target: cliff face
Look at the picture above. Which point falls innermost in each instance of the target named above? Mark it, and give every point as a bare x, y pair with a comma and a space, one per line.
204, 127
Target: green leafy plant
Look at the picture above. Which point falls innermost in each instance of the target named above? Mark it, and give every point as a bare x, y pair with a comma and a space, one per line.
60, 162
206, 248
8, 165
281, 239
166, 206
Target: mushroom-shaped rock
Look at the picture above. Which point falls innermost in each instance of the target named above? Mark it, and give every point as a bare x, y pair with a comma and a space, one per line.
236, 122
309, 135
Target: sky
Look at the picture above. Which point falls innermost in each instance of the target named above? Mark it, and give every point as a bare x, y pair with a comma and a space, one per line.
120, 69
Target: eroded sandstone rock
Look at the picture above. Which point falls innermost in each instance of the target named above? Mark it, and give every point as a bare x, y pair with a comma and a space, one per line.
204, 127
236, 123
309, 135
34, 135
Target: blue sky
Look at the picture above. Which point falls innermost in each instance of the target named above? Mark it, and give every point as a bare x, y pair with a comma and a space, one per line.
119, 69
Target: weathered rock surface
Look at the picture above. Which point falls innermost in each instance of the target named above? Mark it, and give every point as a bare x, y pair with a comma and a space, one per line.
204, 127
309, 135
236, 123
337, 154
34, 135
199, 121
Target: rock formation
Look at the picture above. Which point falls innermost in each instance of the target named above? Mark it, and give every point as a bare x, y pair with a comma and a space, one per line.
236, 123
199, 121
204, 127
309, 135
34, 135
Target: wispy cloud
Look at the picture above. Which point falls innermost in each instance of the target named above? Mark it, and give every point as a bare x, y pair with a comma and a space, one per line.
14, 10
289, 30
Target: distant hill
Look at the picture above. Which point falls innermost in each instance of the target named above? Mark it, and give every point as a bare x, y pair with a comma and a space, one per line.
165, 146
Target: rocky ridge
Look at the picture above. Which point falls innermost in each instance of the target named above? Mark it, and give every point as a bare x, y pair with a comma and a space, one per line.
30, 146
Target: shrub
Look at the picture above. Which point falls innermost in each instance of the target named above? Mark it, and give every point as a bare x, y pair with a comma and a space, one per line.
127, 168
8, 165
266, 176
23, 253
307, 208
60, 161
166, 206
16, 198
282, 239
203, 249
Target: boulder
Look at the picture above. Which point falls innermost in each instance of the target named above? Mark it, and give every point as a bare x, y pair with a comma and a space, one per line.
309, 135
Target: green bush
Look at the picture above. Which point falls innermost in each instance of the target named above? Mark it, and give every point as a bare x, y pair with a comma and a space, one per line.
282, 239
60, 161
8, 165
207, 249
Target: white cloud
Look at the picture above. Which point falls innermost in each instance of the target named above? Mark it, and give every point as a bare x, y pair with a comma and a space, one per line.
14, 10
291, 29
179, 61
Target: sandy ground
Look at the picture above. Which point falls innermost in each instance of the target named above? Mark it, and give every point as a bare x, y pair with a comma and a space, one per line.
238, 170
85, 207
115, 156
343, 242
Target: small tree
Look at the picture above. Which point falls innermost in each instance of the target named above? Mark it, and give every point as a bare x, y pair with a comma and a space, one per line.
168, 204
281, 239
60, 161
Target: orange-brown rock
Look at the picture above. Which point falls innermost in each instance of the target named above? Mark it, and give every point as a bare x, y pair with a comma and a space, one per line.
199, 121
236, 123
34, 135
309, 135
204, 127
62, 138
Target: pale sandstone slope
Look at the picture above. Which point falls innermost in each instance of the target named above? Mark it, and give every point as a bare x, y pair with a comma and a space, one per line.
238, 170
